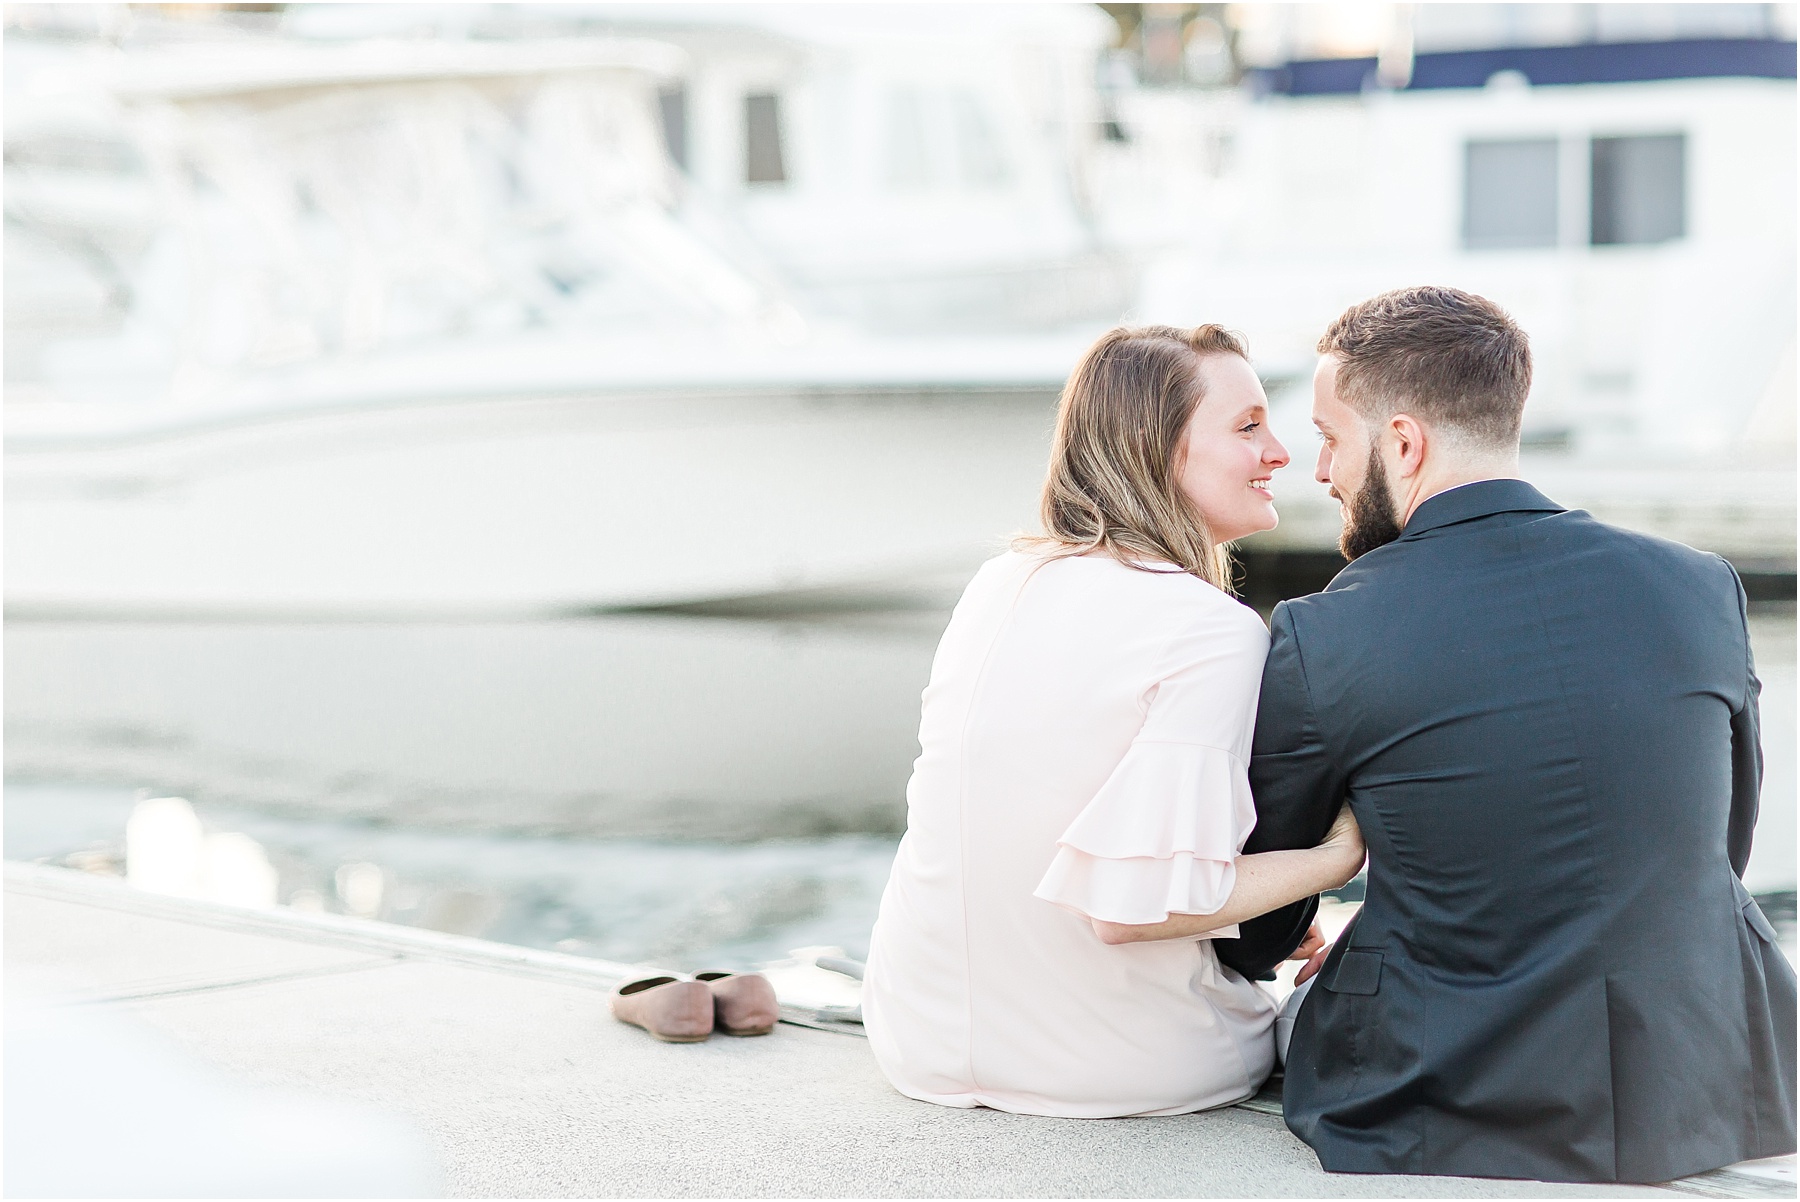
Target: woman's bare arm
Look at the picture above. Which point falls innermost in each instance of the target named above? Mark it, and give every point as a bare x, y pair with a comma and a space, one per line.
1264, 881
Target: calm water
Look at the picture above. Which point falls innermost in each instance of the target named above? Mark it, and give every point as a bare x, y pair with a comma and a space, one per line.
692, 792
624, 726
692, 905
695, 792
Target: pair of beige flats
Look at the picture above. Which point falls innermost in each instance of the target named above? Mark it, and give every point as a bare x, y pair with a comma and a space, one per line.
688, 1011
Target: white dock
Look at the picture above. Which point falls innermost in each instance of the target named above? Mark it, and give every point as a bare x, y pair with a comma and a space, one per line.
508, 1064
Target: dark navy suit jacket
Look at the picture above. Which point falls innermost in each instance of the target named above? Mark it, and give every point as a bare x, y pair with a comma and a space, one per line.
1547, 730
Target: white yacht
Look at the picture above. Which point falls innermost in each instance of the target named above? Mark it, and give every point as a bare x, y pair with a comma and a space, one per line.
1620, 177
509, 325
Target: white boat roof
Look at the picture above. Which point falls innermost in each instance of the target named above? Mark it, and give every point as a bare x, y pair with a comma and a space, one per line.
866, 25
211, 69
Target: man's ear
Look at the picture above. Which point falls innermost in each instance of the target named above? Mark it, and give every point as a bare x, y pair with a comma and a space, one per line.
1408, 440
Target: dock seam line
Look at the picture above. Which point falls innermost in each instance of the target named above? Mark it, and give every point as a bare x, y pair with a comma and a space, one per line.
66, 885
299, 974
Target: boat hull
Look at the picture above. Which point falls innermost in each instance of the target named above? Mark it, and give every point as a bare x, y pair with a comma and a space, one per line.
523, 506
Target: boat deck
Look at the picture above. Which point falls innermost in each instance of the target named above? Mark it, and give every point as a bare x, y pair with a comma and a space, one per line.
507, 1062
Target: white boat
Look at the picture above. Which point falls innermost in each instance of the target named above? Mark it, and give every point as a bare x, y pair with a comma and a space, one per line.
1621, 178
438, 328
596, 479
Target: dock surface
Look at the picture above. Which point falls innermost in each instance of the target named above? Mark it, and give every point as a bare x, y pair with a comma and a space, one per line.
510, 1065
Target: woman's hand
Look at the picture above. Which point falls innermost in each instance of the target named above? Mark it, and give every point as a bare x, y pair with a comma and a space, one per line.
1344, 840
1312, 966
1314, 942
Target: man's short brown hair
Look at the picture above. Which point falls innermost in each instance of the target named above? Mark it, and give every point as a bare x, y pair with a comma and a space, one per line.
1450, 358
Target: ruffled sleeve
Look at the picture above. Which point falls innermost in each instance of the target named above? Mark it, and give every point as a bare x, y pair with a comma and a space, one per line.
1158, 839
1161, 835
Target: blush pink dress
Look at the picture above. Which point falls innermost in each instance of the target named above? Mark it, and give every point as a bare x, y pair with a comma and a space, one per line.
1084, 738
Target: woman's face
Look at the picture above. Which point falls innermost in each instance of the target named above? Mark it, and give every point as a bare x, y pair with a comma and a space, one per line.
1228, 451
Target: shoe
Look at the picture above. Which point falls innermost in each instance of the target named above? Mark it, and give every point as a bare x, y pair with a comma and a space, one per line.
673, 1010
744, 1002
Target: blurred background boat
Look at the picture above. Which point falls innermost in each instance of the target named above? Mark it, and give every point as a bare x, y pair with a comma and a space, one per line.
521, 310
1620, 176
440, 435
460, 331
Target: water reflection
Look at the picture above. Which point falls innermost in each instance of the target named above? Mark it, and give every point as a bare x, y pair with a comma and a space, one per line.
361, 885
167, 850
164, 847
692, 905
627, 726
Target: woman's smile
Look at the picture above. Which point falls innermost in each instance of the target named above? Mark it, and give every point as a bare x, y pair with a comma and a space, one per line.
1228, 433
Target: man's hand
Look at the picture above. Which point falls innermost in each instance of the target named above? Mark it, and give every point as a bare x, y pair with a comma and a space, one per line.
1313, 944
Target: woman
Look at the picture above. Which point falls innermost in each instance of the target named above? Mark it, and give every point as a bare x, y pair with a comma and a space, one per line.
1076, 814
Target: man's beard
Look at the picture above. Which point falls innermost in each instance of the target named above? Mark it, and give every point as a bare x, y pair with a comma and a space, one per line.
1369, 519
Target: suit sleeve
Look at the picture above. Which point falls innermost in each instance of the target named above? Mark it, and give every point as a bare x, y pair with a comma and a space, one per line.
1746, 754
1298, 791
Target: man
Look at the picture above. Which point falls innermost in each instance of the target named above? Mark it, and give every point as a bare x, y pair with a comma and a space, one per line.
1547, 730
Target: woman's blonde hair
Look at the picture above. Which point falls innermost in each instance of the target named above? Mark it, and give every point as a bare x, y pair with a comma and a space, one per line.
1112, 484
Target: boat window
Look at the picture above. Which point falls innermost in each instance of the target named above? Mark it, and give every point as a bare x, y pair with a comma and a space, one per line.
978, 149
673, 105
1639, 190
763, 161
1509, 193
908, 154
